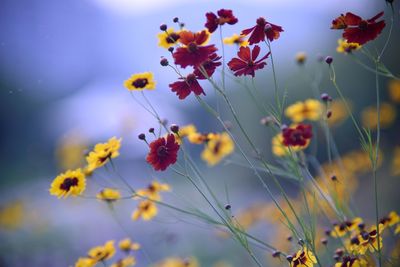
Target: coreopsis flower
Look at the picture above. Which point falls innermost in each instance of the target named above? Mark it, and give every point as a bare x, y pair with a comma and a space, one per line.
338, 112
193, 51
217, 148
394, 90
70, 150
303, 258
391, 219
187, 86
358, 30
301, 57
395, 168
109, 195
152, 192
68, 183
311, 109
101, 253
247, 63
85, 262
343, 228
140, 81
224, 16
184, 132
127, 245
163, 152
280, 150
177, 262
125, 262
102, 153
168, 38
198, 138
346, 47
297, 136
352, 261
208, 67
367, 241
262, 30
146, 210
388, 116
12, 215
237, 40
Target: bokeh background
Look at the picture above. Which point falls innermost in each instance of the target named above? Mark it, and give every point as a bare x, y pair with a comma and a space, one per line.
62, 67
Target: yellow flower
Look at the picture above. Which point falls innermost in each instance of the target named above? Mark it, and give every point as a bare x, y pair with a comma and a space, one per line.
85, 262
109, 195
127, 245
351, 261
387, 116
237, 40
395, 168
311, 109
343, 228
12, 215
153, 190
280, 150
367, 241
345, 47
390, 220
146, 210
394, 90
183, 132
397, 230
197, 138
68, 183
101, 253
301, 57
168, 38
177, 262
101, 154
217, 148
338, 112
125, 262
303, 258
140, 81
70, 151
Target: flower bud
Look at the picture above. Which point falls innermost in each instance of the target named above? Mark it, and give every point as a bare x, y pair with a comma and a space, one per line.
142, 136
329, 60
163, 27
164, 62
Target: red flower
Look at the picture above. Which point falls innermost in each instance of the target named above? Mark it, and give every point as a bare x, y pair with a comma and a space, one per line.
357, 30
163, 152
209, 66
185, 87
246, 64
225, 16
297, 136
263, 30
193, 52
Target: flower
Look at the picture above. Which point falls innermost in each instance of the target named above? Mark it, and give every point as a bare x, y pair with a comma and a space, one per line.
102, 152
217, 148
163, 152
338, 112
109, 195
301, 57
185, 131
198, 138
394, 90
343, 228
168, 38
125, 262
224, 16
236, 39
140, 81
146, 210
395, 165
388, 115
297, 136
153, 190
345, 47
85, 262
262, 30
391, 219
246, 64
101, 253
70, 150
280, 150
127, 245
357, 30
311, 109
187, 86
177, 262
193, 51
303, 258
352, 261
68, 183
12, 215
208, 66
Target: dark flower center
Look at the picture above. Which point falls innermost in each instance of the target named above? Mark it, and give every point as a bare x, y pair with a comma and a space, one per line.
363, 25
192, 47
68, 183
190, 78
162, 151
261, 21
140, 83
172, 38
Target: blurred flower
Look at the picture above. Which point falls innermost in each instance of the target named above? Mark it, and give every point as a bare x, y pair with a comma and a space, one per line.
310, 109
394, 90
303, 258
109, 195
187, 86
152, 192
391, 219
68, 183
343, 228
101, 253
338, 112
198, 138
146, 210
163, 152
127, 245
217, 148
357, 30
262, 30
168, 38
365, 241
70, 151
185, 131
246, 63
352, 261
298, 135
177, 262
85, 262
236, 39
102, 153
12, 215
387, 116
140, 81
345, 47
224, 16
125, 262
208, 66
301, 58
395, 168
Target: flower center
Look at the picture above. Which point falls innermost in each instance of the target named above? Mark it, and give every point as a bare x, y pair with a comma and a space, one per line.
261, 21
172, 38
68, 183
140, 83
162, 151
192, 47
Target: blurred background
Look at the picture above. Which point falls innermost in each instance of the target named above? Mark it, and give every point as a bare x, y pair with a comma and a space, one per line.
62, 67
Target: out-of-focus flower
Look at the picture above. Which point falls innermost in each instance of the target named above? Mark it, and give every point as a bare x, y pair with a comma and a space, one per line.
12, 215
311, 109
387, 116
338, 112
345, 47
237, 40
395, 168
125, 262
68, 183
163, 152
70, 151
109, 195
127, 245
198, 138
177, 262
357, 30
394, 90
365, 241
303, 258
262, 30
140, 81
209, 66
352, 261
217, 148
391, 219
152, 192
146, 210
246, 63
101, 253
168, 38
184, 132
224, 16
301, 57
85, 262
298, 135
343, 228
193, 51
102, 153
187, 86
